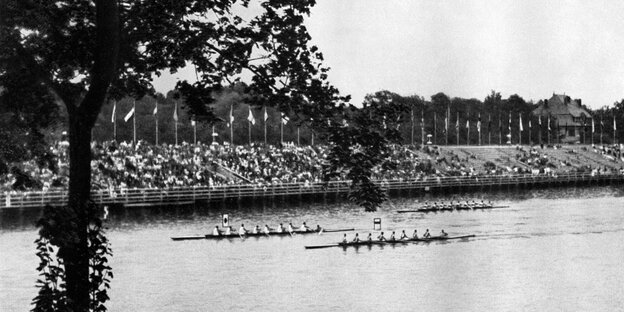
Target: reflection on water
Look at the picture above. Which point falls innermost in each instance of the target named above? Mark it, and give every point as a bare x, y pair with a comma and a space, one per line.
557, 249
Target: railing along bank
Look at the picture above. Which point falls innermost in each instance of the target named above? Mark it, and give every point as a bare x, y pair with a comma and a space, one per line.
146, 196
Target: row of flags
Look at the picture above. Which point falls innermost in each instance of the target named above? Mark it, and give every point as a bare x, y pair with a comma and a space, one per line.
284, 120
250, 118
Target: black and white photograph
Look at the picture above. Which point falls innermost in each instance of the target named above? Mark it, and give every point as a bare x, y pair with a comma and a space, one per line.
314, 155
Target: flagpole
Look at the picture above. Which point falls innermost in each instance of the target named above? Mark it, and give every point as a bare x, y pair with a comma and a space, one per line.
298, 142
115, 121
446, 123
156, 130
435, 128
155, 113
282, 132
194, 132
422, 127
468, 130
500, 129
213, 134
134, 122
457, 128
479, 129
412, 125
489, 129
601, 124
265, 128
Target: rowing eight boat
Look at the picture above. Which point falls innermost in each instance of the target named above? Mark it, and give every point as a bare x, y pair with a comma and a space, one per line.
433, 209
389, 242
285, 233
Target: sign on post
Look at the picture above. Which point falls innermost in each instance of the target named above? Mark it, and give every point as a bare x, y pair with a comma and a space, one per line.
225, 220
377, 224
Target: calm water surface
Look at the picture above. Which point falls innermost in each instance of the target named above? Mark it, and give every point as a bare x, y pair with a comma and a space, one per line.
555, 250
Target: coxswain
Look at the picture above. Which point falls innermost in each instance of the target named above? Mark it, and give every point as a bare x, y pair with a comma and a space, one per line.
403, 235
443, 234
318, 228
242, 230
356, 239
304, 227
290, 228
427, 234
415, 235
267, 229
381, 237
344, 238
280, 228
216, 232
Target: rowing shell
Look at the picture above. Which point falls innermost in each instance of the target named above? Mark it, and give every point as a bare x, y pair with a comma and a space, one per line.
450, 209
223, 236
394, 242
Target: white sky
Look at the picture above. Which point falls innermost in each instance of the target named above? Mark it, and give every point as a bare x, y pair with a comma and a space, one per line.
465, 48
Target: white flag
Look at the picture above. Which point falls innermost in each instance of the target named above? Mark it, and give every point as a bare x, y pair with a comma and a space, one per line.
266, 116
155, 109
285, 119
175, 112
193, 123
251, 117
114, 112
129, 115
231, 116
521, 127
593, 126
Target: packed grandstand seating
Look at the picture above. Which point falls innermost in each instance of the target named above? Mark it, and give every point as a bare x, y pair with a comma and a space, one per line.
122, 165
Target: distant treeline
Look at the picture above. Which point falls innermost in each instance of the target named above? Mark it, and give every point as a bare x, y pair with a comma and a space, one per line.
446, 119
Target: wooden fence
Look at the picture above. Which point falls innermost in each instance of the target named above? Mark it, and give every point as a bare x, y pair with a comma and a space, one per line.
180, 195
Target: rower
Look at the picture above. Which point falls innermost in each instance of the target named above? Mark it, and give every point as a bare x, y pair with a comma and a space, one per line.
443, 234
216, 232
280, 228
370, 237
415, 235
256, 230
392, 238
344, 238
267, 229
381, 237
228, 230
403, 235
427, 234
318, 228
290, 228
242, 230
304, 227
356, 239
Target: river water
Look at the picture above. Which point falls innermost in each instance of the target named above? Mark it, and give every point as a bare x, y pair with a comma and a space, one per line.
552, 250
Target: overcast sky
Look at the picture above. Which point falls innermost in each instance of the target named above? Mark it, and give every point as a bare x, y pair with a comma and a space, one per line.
465, 48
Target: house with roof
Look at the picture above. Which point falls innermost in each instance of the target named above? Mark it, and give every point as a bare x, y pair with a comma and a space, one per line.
569, 119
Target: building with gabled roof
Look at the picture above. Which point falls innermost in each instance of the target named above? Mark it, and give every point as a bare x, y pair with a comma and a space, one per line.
569, 117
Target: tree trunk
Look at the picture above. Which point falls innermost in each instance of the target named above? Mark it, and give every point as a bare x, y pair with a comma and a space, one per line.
76, 255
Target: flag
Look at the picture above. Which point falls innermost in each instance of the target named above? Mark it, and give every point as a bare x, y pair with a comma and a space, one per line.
129, 115
521, 127
509, 122
398, 122
614, 123
285, 119
446, 123
193, 122
229, 124
114, 112
479, 123
384, 121
489, 122
593, 126
529, 123
539, 120
175, 112
467, 123
251, 117
266, 116
155, 109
